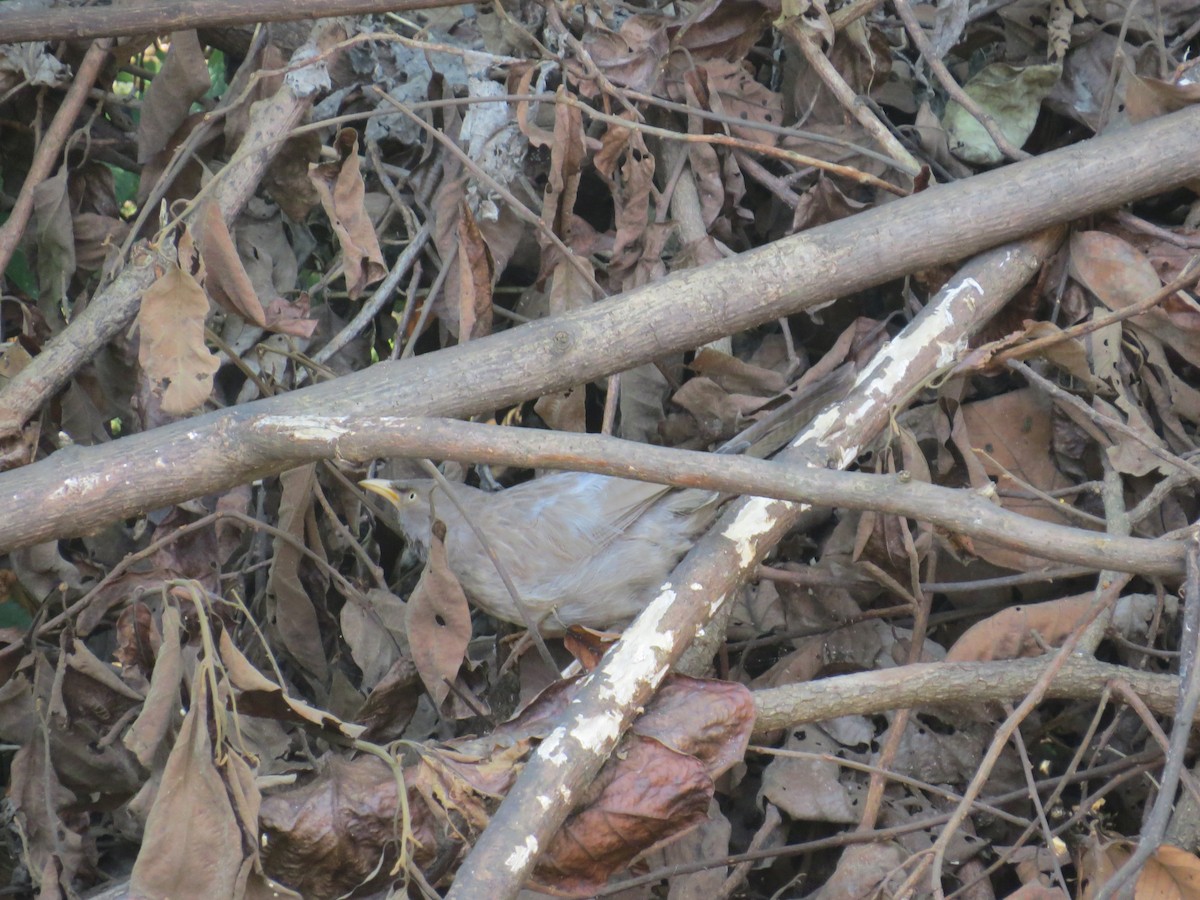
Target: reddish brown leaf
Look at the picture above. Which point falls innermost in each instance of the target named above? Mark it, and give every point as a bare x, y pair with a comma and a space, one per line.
438, 620
476, 272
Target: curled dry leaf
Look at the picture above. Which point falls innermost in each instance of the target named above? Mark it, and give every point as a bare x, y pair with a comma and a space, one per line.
476, 272
202, 831
182, 81
1029, 629
657, 785
259, 696
225, 277
296, 615
340, 187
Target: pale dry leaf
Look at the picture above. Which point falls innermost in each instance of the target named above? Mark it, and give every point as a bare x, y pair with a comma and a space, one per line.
193, 843
56, 260
807, 788
172, 351
373, 631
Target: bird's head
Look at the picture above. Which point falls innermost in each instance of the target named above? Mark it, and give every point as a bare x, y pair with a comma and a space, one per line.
411, 502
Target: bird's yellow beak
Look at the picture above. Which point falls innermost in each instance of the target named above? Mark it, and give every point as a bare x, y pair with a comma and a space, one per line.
383, 488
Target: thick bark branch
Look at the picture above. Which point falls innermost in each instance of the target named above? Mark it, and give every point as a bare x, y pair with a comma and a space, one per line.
81, 489
162, 18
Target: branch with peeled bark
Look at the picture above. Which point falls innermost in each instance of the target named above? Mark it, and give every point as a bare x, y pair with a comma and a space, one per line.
81, 489
681, 627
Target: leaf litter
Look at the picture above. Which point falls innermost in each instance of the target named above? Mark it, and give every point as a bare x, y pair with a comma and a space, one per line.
264, 692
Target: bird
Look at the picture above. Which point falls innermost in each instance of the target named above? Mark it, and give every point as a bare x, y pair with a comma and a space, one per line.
580, 548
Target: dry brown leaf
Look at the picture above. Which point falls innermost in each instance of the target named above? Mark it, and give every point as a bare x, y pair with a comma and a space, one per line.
225, 277
193, 845
476, 274
172, 351
182, 81
651, 793
259, 696
56, 261
646, 794
96, 236
1170, 874
340, 187
392, 702
863, 871
824, 203
631, 57
374, 632
1022, 630
631, 198
567, 156
295, 613
1120, 276
736, 376
806, 787
161, 709
564, 410
718, 414
337, 832
55, 845
438, 621
1011, 433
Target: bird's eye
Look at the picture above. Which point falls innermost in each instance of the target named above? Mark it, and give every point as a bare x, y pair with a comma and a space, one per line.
412, 495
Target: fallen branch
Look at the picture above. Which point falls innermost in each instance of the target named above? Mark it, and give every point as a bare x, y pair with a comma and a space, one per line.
963, 511
69, 23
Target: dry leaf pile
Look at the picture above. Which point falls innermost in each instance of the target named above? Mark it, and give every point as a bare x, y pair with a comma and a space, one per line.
259, 691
